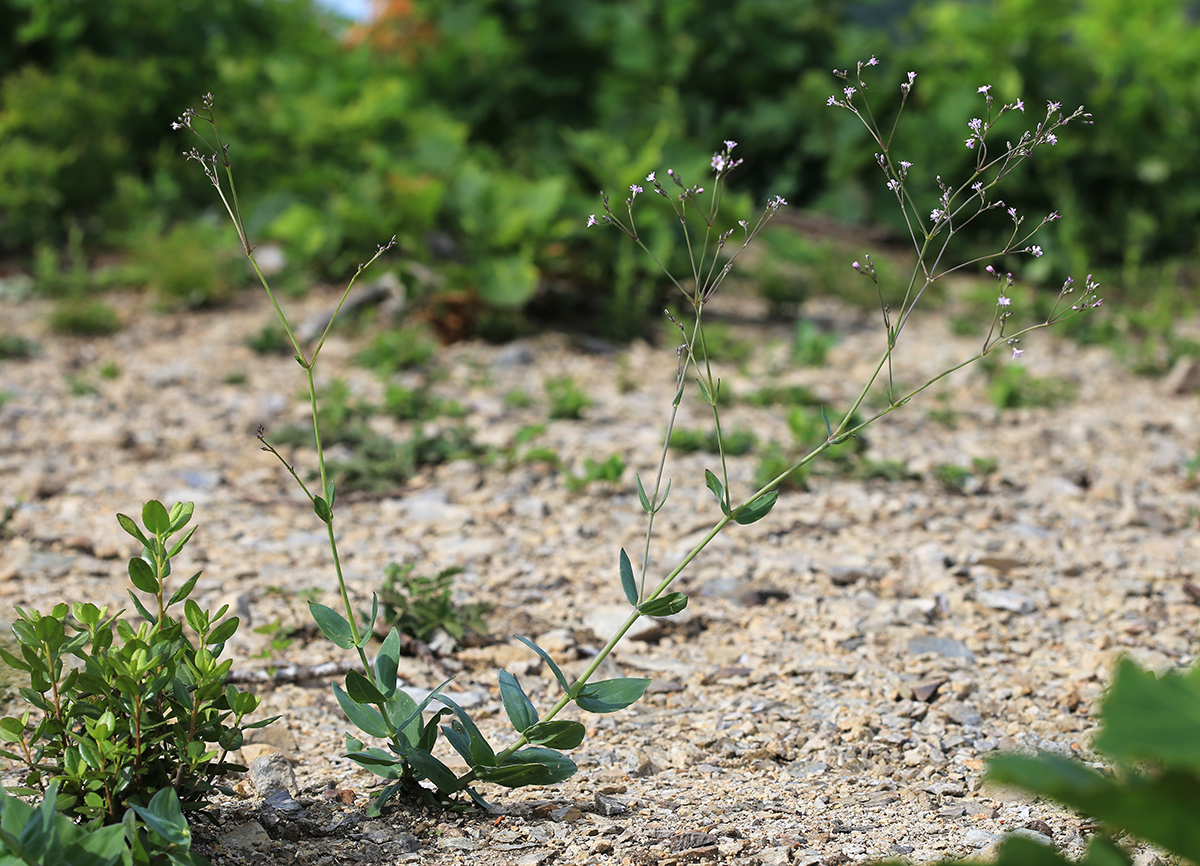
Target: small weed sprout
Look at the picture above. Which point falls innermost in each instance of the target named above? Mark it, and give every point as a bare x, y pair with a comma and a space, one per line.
371, 698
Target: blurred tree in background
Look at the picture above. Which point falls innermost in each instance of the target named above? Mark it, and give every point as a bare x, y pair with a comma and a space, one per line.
480, 131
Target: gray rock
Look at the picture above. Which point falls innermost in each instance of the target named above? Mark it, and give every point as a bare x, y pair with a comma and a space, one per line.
516, 354
943, 646
777, 856
851, 571
272, 773
964, 714
977, 838
609, 806
248, 835
1006, 599
1031, 834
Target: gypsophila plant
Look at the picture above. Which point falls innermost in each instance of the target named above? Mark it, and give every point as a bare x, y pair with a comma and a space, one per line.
371, 697
123, 710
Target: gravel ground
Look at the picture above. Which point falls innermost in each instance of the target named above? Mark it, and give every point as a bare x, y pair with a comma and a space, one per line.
829, 696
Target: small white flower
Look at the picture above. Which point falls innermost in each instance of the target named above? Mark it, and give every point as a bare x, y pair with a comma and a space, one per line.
730, 145
1004, 302
1037, 252
1017, 353
935, 215
984, 89
634, 188
591, 220
650, 178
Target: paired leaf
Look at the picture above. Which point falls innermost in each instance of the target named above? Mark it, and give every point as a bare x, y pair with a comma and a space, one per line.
128, 524
520, 709
387, 663
321, 507
718, 489
558, 674
608, 696
757, 508
143, 576
364, 717
332, 624
666, 605
466, 738
426, 766
556, 734
361, 690
627, 581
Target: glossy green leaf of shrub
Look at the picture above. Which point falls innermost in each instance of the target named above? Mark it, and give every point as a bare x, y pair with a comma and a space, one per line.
147, 708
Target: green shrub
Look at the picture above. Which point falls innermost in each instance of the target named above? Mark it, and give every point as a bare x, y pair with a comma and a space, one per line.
419, 606
399, 349
146, 709
85, 319
194, 264
16, 347
567, 401
1013, 387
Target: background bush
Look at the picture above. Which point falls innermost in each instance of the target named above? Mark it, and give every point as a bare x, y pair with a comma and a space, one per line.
482, 143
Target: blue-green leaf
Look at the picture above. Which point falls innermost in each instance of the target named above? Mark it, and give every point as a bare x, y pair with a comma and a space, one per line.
379, 762
164, 816
428, 767
332, 624
757, 508
627, 582
387, 663
608, 696
368, 629
666, 605
642, 497
366, 718
520, 709
558, 674
556, 765
718, 489
361, 690
557, 734
479, 752
321, 507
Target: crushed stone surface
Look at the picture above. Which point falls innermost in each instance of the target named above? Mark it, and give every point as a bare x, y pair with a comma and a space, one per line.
844, 667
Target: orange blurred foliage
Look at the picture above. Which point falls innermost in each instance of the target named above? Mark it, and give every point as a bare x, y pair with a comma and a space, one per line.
394, 27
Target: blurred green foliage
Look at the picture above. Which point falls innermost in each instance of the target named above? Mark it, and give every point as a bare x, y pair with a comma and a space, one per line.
480, 142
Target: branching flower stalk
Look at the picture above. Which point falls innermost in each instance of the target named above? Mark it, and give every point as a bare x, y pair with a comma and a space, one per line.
215, 163
372, 700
